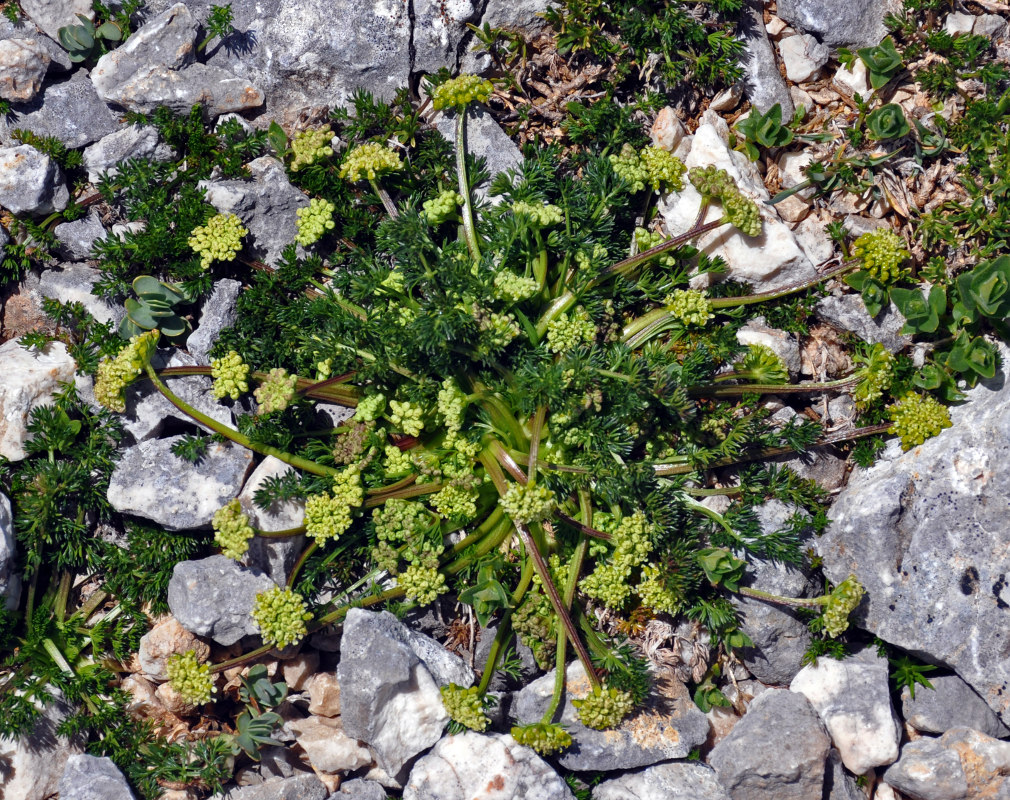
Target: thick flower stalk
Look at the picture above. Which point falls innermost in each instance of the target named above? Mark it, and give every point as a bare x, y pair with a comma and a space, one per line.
191, 679
916, 418
219, 240
281, 614
232, 530
231, 376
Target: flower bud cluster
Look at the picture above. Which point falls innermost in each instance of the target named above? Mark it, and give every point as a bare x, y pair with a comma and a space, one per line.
663, 167
916, 418
313, 221
231, 376
875, 371
455, 501
450, 405
604, 708
513, 288
653, 592
410, 524
276, 392
714, 183
691, 307
646, 240
407, 417
628, 165
568, 331
421, 584
311, 145
882, 252
370, 408
632, 543
369, 160
232, 530
840, 603
281, 615
544, 737
442, 208
219, 240
461, 91
396, 461
191, 679
530, 503
115, 374
541, 215
465, 706
497, 329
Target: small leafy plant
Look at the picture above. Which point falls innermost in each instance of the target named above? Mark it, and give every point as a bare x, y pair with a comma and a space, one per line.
765, 130
882, 61
887, 122
154, 309
81, 41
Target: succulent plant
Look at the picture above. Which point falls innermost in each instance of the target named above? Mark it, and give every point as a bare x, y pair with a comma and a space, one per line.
80, 40
154, 308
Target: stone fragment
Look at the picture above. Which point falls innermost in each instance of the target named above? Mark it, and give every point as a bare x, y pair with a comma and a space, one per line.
958, 24
763, 82
776, 752
298, 787
275, 556
803, 56
438, 31
854, 79
74, 283
359, 789
299, 671
69, 110
848, 313
75, 239
163, 641
51, 15
951, 703
218, 312
90, 778
484, 137
928, 771
30, 378
670, 781
152, 482
992, 25
34, 763
839, 784
667, 131
666, 728
10, 575
853, 699
324, 694
214, 597
30, 182
23, 65
474, 766
134, 141
984, 760
859, 23
216, 89
329, 749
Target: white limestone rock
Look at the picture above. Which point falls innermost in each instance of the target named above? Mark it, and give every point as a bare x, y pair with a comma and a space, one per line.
803, 56
329, 749
23, 65
29, 379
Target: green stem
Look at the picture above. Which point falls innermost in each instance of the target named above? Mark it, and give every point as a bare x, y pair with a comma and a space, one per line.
306, 553
535, 433
808, 602
284, 534
466, 212
710, 390
504, 632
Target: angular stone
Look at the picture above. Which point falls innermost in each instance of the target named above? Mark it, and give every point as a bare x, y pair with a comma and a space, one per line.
803, 56
30, 378
267, 206
928, 771
359, 789
859, 23
848, 313
135, 141
74, 283
439, 29
484, 138
89, 778
671, 781
666, 728
23, 65
329, 749
218, 312
763, 82
274, 556
51, 15
853, 699
951, 703
838, 782
151, 482
324, 694
33, 763
30, 182
298, 671
776, 752
784, 345
214, 597
474, 766
854, 79
78, 237
10, 575
297, 787
217, 90
163, 641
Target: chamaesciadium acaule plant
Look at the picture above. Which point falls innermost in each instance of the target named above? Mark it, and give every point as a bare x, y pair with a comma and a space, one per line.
535, 387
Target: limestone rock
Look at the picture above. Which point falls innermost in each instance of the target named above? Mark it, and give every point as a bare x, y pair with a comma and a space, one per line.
51, 15
324, 694
218, 312
951, 703
763, 82
297, 787
847, 313
89, 778
859, 23
10, 575
803, 56
670, 781
30, 379
23, 65
77, 238
30, 182
484, 137
928, 771
74, 283
135, 141
163, 641
274, 556
34, 763
329, 749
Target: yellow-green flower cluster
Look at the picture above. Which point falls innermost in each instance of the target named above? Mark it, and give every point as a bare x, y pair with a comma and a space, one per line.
311, 145
653, 592
370, 408
450, 404
231, 376
442, 208
406, 416
882, 252
530, 503
840, 603
232, 530
663, 167
875, 373
604, 708
313, 221
632, 544
498, 329
191, 679
628, 165
544, 737
568, 331
335, 517
916, 418
276, 392
584, 260
326, 517
369, 160
646, 240
711, 181
421, 584
115, 374
461, 91
542, 215
281, 615
455, 502
465, 706
716, 184
219, 240
396, 461
690, 306
512, 287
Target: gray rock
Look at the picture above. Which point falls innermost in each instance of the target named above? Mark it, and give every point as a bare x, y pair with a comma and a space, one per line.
59, 61
780, 637
89, 778
217, 90
937, 581
30, 378
69, 110
23, 65
359, 789
985, 761
763, 82
214, 597
666, 728
839, 784
951, 703
32, 764
151, 482
528, 669
673, 781
803, 57
847, 313
219, 312
267, 206
776, 752
471, 766
299, 787
859, 23
135, 141
388, 695
484, 138
73, 283
991, 25
30, 182
928, 771
853, 699
783, 344
76, 239
10, 576
51, 15
274, 556
439, 29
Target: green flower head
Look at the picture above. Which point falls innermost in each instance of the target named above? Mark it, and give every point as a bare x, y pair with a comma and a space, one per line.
461, 91
326, 517
232, 530
465, 706
882, 252
875, 371
421, 584
544, 737
313, 221
526, 504
219, 240
916, 418
513, 288
191, 679
840, 603
628, 165
115, 374
369, 160
281, 615
569, 331
311, 145
742, 213
231, 376
407, 417
542, 215
691, 307
604, 708
711, 181
276, 392
442, 208
663, 168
